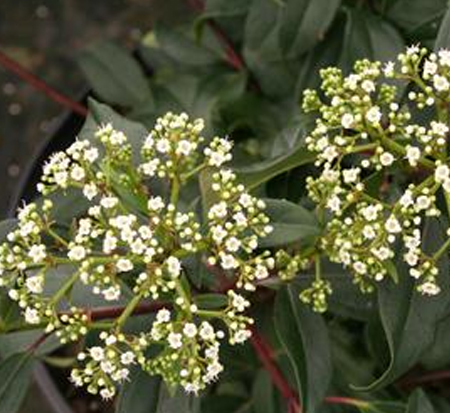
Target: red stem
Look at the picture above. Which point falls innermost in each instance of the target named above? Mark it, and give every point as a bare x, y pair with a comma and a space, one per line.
265, 355
428, 377
40, 85
233, 57
116, 311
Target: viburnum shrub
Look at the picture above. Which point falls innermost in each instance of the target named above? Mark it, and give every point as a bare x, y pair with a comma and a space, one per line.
256, 223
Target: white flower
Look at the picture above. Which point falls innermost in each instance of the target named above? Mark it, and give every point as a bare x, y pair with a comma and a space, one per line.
392, 225
412, 155
155, 203
388, 69
149, 168
232, 244
163, 145
35, 284
228, 262
206, 331
440, 83
261, 272
184, 147
351, 175
77, 253
373, 115
37, 253
107, 393
360, 267
163, 316
112, 293
429, 68
175, 340
91, 154
77, 173
173, 266
441, 173
429, 288
444, 57
32, 316
109, 202
368, 86
218, 233
241, 336
239, 302
90, 191
190, 330
386, 159
347, 121
439, 128
97, 353
127, 358
334, 204
124, 265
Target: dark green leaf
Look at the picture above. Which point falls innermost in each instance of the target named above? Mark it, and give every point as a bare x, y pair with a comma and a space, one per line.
290, 222
211, 300
114, 75
304, 337
408, 318
443, 37
140, 394
15, 376
368, 36
259, 173
182, 49
304, 23
419, 403
12, 343
263, 393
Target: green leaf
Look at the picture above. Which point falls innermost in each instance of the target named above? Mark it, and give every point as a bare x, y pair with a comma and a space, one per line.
304, 337
368, 36
443, 36
114, 75
408, 318
15, 376
412, 14
17, 342
211, 301
263, 394
419, 403
304, 23
140, 394
261, 172
177, 403
183, 49
290, 222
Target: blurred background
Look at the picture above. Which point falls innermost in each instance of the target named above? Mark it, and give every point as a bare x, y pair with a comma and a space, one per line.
44, 36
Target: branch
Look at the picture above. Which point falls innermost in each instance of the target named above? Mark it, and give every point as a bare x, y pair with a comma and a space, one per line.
116, 311
11, 65
266, 356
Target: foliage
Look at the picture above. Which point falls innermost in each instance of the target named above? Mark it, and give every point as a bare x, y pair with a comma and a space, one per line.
243, 67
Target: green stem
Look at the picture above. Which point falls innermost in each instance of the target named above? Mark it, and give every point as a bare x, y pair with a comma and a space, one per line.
57, 237
209, 313
400, 150
441, 250
128, 310
64, 289
194, 171
175, 191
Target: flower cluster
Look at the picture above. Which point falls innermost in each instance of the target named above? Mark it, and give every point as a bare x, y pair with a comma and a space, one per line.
132, 245
363, 133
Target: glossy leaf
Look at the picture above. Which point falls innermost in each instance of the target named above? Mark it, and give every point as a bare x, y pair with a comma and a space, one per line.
261, 172
290, 222
263, 394
409, 319
443, 36
140, 394
304, 337
419, 403
15, 376
114, 75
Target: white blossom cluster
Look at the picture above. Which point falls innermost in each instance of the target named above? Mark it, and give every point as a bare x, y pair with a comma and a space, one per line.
132, 245
362, 133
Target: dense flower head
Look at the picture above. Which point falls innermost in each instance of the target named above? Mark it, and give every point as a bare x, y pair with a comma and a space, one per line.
365, 130
133, 245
